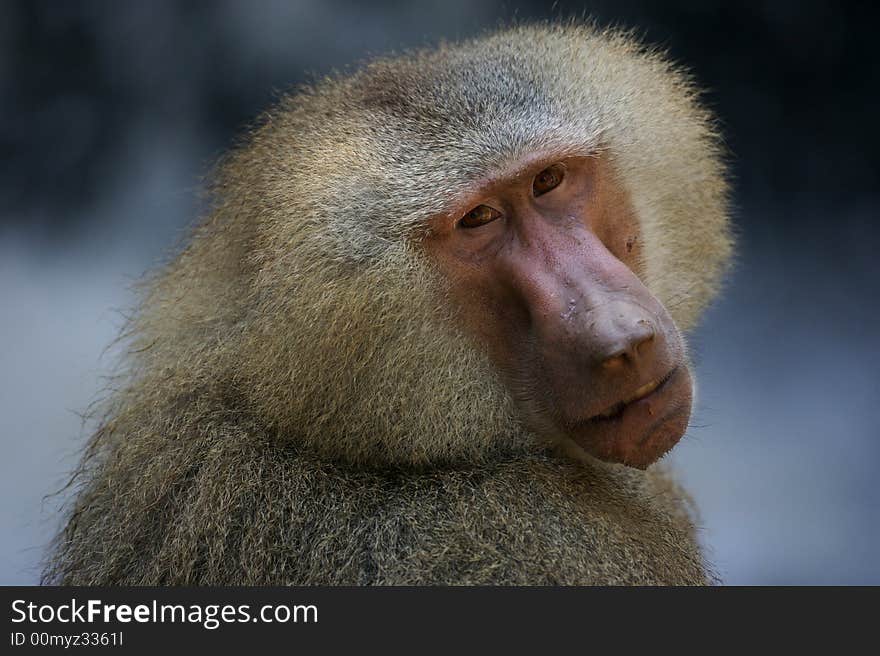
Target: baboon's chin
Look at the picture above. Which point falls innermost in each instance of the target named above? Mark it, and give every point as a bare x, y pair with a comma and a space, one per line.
639, 430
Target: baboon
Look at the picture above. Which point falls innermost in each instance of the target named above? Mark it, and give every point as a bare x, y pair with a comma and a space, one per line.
428, 333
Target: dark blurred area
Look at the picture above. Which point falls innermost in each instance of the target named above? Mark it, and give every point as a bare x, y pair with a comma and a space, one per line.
111, 112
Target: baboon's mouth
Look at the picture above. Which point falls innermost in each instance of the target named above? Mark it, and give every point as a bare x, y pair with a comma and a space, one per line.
642, 392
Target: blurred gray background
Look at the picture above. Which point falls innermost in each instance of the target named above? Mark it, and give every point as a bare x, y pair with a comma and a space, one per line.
111, 112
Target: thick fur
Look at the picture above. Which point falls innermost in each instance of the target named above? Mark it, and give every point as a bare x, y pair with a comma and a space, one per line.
298, 405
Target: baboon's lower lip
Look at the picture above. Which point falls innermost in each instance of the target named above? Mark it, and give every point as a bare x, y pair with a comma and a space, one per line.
642, 392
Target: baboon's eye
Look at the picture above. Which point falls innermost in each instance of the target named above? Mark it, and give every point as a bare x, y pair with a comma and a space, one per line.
548, 179
479, 216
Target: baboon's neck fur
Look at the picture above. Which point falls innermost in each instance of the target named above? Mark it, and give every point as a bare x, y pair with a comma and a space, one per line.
214, 504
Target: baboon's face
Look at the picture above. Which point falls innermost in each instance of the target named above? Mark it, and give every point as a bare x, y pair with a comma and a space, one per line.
543, 261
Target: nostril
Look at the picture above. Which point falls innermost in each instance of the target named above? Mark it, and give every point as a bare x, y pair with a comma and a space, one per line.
644, 342
615, 361
629, 347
